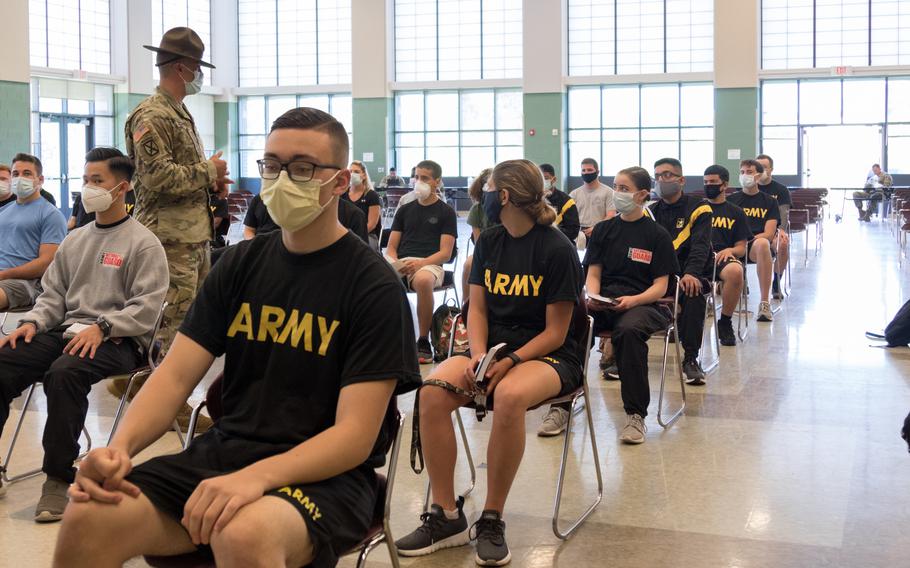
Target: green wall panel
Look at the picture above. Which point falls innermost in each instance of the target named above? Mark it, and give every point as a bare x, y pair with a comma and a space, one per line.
543, 114
15, 116
124, 103
372, 133
735, 126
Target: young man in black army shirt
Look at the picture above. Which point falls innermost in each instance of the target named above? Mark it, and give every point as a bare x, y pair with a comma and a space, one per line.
730, 234
688, 220
566, 210
781, 193
311, 322
764, 217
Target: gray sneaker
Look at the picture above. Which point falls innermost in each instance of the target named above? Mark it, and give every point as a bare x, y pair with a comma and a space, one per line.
490, 534
764, 312
53, 501
436, 532
694, 374
634, 430
554, 423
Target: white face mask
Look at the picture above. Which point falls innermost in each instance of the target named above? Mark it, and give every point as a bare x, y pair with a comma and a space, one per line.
747, 181
23, 187
193, 87
625, 202
547, 185
293, 204
423, 190
4, 189
356, 179
95, 199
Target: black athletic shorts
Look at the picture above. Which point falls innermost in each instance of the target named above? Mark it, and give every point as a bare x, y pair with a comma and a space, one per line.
338, 512
749, 250
723, 264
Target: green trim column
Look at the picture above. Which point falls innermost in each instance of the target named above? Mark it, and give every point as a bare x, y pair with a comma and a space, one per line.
15, 117
124, 103
543, 114
227, 134
372, 130
735, 126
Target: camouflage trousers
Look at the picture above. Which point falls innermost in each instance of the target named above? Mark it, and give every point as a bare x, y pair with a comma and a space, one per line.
188, 265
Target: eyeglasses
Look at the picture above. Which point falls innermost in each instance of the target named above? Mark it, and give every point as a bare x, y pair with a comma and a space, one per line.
667, 176
298, 170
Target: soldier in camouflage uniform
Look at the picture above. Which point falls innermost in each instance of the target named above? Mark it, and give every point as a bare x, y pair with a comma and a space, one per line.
173, 179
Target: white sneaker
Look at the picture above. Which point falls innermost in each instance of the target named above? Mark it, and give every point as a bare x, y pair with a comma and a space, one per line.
634, 430
764, 312
554, 423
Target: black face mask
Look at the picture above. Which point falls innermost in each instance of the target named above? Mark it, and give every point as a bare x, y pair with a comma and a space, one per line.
492, 206
712, 190
589, 177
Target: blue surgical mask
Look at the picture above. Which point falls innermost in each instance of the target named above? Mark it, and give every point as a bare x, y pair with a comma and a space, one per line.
492, 206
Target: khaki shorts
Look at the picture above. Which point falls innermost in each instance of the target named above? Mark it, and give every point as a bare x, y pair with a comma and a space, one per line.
21, 293
434, 269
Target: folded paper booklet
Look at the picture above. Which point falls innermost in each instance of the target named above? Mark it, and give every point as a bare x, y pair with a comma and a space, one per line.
74, 329
602, 299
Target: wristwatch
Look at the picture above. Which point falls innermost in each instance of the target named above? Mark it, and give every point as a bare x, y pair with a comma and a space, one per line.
105, 326
515, 358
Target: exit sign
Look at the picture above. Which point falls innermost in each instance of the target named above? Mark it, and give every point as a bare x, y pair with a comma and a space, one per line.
841, 71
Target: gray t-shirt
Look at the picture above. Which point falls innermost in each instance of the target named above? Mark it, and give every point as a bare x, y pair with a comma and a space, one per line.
593, 204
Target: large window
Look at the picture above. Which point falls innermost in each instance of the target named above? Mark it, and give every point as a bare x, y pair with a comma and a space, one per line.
623, 37
827, 33
258, 113
294, 42
464, 131
167, 14
450, 40
789, 106
70, 34
630, 125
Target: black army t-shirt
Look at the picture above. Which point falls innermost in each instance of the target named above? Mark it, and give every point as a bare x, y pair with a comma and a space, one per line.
632, 254
296, 329
219, 208
83, 218
521, 277
352, 219
421, 227
258, 218
368, 199
759, 208
729, 225
778, 191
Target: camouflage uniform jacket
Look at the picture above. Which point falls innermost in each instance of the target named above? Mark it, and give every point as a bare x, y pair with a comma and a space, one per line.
173, 178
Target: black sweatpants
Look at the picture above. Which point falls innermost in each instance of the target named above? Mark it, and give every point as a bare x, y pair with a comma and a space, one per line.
630, 332
67, 380
691, 322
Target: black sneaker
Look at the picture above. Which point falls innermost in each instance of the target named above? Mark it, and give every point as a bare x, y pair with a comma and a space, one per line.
725, 332
610, 372
490, 534
436, 532
424, 351
776, 293
694, 375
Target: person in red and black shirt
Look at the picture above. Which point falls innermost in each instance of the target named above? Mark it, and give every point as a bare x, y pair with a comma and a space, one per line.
730, 233
688, 220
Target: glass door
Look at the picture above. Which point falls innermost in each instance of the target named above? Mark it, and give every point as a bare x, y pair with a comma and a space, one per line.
64, 143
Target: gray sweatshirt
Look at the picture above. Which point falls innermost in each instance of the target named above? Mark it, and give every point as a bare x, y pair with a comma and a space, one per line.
118, 272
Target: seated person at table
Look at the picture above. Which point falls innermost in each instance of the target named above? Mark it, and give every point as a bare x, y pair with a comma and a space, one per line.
730, 234
524, 286
764, 216
878, 182
259, 222
392, 180
630, 258
31, 229
566, 210
108, 279
313, 357
423, 238
477, 220
688, 221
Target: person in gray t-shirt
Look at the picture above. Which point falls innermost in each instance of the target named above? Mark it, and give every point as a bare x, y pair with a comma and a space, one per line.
101, 297
593, 199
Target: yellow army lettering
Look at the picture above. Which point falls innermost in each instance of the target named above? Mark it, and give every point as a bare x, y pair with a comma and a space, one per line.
295, 327
298, 495
755, 212
512, 285
723, 223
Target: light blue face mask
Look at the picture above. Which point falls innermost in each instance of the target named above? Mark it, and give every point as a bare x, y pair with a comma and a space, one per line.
193, 87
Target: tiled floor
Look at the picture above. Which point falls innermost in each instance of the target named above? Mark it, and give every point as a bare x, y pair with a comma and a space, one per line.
790, 456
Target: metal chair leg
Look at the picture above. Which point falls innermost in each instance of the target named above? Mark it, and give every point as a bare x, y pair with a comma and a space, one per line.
191, 428
124, 399
711, 308
663, 375
565, 534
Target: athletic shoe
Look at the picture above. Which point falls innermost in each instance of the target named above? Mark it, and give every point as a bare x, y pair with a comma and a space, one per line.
554, 423
764, 312
53, 501
424, 351
694, 374
776, 292
634, 430
2, 488
610, 373
490, 534
436, 532
725, 332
